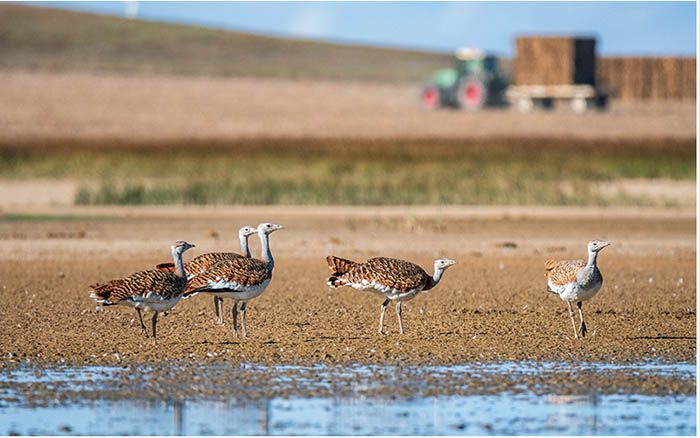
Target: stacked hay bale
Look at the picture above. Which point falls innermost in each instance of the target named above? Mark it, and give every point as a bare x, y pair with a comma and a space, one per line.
552, 60
648, 78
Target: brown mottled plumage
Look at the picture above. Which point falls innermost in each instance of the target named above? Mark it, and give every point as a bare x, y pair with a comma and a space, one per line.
241, 270
201, 263
396, 279
397, 274
164, 284
563, 272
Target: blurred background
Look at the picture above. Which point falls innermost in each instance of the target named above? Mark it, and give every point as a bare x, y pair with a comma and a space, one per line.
581, 103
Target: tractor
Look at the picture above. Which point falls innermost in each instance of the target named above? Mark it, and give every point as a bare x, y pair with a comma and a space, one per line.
476, 81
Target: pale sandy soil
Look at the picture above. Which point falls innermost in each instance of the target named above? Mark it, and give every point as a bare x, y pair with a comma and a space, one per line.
492, 305
96, 106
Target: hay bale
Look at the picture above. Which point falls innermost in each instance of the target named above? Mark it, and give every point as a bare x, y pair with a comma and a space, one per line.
554, 61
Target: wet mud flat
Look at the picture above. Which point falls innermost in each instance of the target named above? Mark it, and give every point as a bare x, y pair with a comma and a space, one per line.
481, 398
491, 306
488, 351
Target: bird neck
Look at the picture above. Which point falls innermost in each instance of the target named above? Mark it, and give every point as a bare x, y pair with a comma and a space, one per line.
245, 249
435, 279
265, 250
179, 268
592, 259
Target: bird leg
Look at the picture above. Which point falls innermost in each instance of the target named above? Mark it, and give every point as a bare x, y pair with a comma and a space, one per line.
584, 330
381, 315
144, 330
398, 313
218, 308
243, 304
571, 315
234, 313
153, 326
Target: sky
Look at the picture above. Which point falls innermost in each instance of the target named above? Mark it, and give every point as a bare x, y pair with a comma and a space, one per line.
622, 28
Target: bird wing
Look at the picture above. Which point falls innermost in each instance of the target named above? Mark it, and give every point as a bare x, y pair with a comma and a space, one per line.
397, 274
563, 272
163, 284
230, 274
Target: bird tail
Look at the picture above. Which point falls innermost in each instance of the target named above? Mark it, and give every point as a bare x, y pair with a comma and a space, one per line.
549, 265
339, 266
101, 293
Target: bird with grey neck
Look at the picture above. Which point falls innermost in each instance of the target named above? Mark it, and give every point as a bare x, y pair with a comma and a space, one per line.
240, 279
576, 281
155, 290
395, 279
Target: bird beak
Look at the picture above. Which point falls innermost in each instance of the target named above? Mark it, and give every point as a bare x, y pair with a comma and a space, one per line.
606, 244
279, 227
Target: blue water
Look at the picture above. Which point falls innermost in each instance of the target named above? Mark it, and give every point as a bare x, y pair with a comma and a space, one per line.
525, 413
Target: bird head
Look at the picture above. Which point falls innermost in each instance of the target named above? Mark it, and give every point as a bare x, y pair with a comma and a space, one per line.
246, 231
267, 228
597, 245
442, 264
181, 246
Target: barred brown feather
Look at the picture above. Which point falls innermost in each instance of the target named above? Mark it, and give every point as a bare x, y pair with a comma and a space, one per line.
164, 284
339, 265
200, 263
241, 270
398, 274
563, 272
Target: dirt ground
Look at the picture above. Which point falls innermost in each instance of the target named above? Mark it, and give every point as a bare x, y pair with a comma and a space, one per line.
89, 106
492, 305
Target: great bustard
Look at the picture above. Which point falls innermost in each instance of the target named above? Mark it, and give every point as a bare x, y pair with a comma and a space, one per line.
397, 280
156, 290
576, 280
240, 279
202, 262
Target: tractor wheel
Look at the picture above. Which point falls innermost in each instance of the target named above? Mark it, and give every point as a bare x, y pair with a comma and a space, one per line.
430, 97
471, 95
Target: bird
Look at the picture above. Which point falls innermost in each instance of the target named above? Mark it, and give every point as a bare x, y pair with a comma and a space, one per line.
240, 278
576, 280
205, 261
154, 290
398, 280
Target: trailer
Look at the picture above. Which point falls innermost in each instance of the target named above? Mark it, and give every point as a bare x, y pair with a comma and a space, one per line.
579, 97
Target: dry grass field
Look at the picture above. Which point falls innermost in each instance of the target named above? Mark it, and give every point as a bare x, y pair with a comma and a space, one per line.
492, 305
91, 106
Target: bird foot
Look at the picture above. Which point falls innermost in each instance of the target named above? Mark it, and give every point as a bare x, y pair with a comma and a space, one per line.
584, 330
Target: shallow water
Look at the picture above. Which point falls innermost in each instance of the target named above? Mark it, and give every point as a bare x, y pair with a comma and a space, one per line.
351, 411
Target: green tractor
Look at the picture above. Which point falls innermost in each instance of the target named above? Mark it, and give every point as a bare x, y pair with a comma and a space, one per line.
476, 81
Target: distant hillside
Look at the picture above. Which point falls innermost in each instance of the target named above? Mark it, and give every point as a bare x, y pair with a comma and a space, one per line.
47, 39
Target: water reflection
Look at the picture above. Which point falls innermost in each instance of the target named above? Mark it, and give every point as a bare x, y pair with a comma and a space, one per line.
445, 415
352, 411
